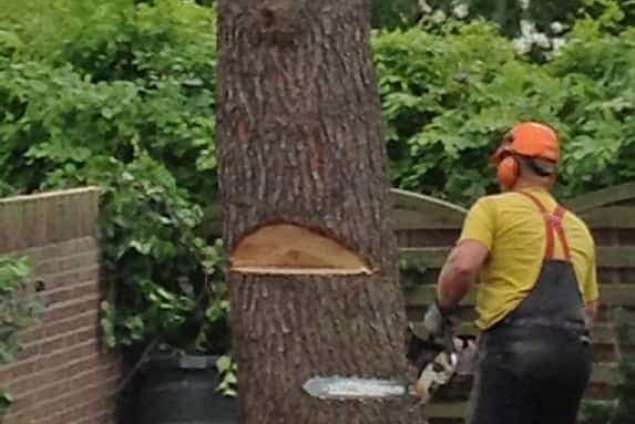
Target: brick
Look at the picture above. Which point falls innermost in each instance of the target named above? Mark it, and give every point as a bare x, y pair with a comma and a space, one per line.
100, 417
17, 370
68, 278
33, 334
68, 293
65, 340
43, 268
28, 351
84, 259
90, 317
20, 388
79, 391
71, 308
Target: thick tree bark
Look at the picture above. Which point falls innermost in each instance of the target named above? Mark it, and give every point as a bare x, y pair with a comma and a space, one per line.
300, 143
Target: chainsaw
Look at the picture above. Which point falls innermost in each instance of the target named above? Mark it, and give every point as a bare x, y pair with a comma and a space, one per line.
437, 360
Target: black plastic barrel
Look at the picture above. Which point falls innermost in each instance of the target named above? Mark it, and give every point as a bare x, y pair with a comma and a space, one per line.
182, 390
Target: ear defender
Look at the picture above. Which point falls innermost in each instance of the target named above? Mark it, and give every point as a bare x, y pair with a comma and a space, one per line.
507, 171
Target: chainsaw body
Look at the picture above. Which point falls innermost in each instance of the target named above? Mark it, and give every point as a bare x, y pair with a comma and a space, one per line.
438, 358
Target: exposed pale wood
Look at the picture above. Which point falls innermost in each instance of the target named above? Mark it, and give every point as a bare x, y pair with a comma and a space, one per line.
301, 271
610, 294
615, 217
434, 257
603, 197
291, 249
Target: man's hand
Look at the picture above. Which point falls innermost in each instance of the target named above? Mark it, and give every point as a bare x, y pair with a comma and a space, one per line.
436, 321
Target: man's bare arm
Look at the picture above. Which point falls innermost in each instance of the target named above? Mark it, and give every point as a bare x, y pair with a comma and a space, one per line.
592, 310
460, 271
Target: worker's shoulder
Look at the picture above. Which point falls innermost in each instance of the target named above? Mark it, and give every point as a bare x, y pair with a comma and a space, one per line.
493, 200
491, 205
574, 220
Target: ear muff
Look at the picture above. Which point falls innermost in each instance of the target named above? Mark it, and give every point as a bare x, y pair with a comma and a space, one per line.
507, 171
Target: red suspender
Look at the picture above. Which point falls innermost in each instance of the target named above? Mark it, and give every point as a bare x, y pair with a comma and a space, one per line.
553, 223
558, 218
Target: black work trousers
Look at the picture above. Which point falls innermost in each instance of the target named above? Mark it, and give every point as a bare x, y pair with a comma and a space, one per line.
530, 375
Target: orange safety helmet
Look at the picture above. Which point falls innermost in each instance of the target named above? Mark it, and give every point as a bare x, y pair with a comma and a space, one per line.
529, 139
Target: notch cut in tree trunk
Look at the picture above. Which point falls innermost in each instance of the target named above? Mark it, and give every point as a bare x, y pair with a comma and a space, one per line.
291, 249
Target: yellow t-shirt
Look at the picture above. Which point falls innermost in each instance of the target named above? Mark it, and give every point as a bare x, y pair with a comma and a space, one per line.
511, 226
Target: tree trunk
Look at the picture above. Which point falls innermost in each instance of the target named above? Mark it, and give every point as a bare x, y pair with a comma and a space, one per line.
302, 168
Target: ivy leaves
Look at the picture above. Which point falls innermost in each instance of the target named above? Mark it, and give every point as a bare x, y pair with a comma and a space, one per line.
19, 305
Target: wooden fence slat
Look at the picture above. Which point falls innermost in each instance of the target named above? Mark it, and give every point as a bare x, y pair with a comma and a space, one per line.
605, 373
445, 409
615, 217
434, 257
610, 294
605, 197
616, 256
414, 220
424, 257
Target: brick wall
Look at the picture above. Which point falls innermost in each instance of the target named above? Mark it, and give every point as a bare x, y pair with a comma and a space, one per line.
64, 375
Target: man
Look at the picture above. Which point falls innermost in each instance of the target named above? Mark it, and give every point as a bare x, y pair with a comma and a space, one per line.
537, 293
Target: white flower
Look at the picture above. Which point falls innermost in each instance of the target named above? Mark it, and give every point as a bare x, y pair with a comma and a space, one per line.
541, 40
438, 17
558, 43
527, 28
461, 10
522, 45
558, 27
424, 7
